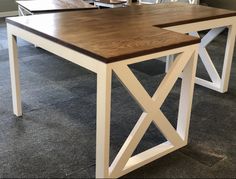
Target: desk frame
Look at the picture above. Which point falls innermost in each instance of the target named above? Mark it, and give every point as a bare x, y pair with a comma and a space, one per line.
219, 83
124, 162
23, 11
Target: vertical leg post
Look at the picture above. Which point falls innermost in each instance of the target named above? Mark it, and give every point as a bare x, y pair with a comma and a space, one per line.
15, 79
103, 121
20, 11
169, 62
228, 58
186, 96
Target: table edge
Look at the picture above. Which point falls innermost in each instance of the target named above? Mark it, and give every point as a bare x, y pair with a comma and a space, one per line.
184, 22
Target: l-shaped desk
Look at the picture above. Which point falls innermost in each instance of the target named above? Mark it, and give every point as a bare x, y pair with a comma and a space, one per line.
106, 41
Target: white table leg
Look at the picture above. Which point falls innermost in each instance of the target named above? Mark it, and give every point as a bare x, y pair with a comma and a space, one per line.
186, 95
103, 121
169, 61
228, 58
20, 11
23, 12
218, 82
15, 79
184, 64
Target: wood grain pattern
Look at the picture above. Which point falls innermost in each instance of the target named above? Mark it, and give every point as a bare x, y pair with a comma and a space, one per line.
40, 6
100, 38
116, 34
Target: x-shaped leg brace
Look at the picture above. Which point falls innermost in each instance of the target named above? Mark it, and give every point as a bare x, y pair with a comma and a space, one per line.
184, 64
218, 82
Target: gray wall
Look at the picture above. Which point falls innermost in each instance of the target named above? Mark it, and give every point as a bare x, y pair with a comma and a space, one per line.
226, 4
7, 5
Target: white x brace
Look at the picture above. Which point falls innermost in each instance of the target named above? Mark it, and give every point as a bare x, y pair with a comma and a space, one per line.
218, 82
123, 163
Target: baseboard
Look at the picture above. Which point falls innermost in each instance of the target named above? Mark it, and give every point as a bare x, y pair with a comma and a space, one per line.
8, 13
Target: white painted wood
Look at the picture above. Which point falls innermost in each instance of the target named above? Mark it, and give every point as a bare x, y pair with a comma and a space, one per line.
153, 56
169, 61
186, 96
20, 12
135, 88
171, 77
23, 11
205, 57
203, 25
152, 113
208, 84
195, 34
148, 156
211, 70
130, 144
151, 107
211, 35
103, 121
167, 129
229, 51
15, 78
219, 83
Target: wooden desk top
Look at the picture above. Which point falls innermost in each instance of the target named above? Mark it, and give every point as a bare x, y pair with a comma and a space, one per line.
40, 6
100, 38
116, 34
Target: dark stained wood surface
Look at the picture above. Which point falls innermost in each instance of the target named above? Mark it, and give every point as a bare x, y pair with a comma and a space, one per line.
116, 34
100, 38
40, 6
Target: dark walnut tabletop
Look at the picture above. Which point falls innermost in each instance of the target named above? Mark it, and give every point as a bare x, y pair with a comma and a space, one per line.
42, 6
116, 34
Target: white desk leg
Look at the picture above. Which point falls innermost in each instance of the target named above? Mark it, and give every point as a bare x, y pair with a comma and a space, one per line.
103, 121
218, 82
23, 12
169, 61
20, 12
186, 96
184, 63
228, 58
15, 80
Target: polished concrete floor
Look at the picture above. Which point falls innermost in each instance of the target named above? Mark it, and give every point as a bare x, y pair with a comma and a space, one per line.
55, 138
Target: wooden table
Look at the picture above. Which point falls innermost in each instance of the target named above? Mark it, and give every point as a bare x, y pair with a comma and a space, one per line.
114, 39
45, 6
98, 46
